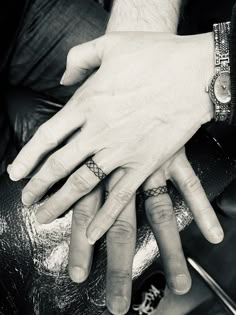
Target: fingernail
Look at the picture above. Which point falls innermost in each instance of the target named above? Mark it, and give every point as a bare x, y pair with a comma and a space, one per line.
217, 234
94, 236
28, 198
18, 171
9, 168
182, 284
62, 79
118, 305
77, 274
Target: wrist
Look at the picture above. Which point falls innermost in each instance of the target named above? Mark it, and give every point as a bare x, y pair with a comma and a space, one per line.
209, 68
200, 49
205, 46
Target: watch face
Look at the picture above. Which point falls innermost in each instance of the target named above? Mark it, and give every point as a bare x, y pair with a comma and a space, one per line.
222, 88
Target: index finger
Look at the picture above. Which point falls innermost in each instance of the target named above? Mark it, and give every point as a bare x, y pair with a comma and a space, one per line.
46, 138
81, 252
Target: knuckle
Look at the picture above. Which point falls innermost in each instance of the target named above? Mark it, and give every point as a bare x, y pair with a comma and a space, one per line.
123, 197
48, 213
206, 211
175, 259
192, 183
82, 217
36, 184
78, 183
119, 276
160, 212
121, 232
47, 135
56, 166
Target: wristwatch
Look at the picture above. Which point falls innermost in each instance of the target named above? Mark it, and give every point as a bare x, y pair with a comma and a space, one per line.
219, 88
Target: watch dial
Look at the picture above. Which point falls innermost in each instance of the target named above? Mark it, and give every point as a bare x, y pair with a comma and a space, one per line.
222, 88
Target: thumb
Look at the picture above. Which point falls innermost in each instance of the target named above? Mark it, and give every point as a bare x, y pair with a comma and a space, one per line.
81, 60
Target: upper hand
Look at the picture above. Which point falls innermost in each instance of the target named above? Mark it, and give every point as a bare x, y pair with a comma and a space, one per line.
145, 101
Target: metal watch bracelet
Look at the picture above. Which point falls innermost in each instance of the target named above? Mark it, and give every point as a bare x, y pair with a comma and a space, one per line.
219, 88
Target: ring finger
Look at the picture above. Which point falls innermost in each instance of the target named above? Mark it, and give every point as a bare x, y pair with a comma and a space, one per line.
160, 214
56, 167
79, 184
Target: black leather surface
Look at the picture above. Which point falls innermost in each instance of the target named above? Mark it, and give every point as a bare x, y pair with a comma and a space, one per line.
11, 15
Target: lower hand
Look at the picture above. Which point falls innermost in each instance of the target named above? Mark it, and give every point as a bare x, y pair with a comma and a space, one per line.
121, 236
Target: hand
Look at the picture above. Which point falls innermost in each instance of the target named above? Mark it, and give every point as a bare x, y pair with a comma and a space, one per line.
122, 235
150, 87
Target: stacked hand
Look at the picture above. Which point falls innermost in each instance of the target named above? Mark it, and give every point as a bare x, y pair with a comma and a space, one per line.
128, 123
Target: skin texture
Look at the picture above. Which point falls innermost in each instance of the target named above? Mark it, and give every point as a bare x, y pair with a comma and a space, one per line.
103, 137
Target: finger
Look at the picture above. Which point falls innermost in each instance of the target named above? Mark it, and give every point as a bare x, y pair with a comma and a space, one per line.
47, 137
79, 184
160, 214
81, 59
117, 200
121, 239
81, 252
190, 186
58, 166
